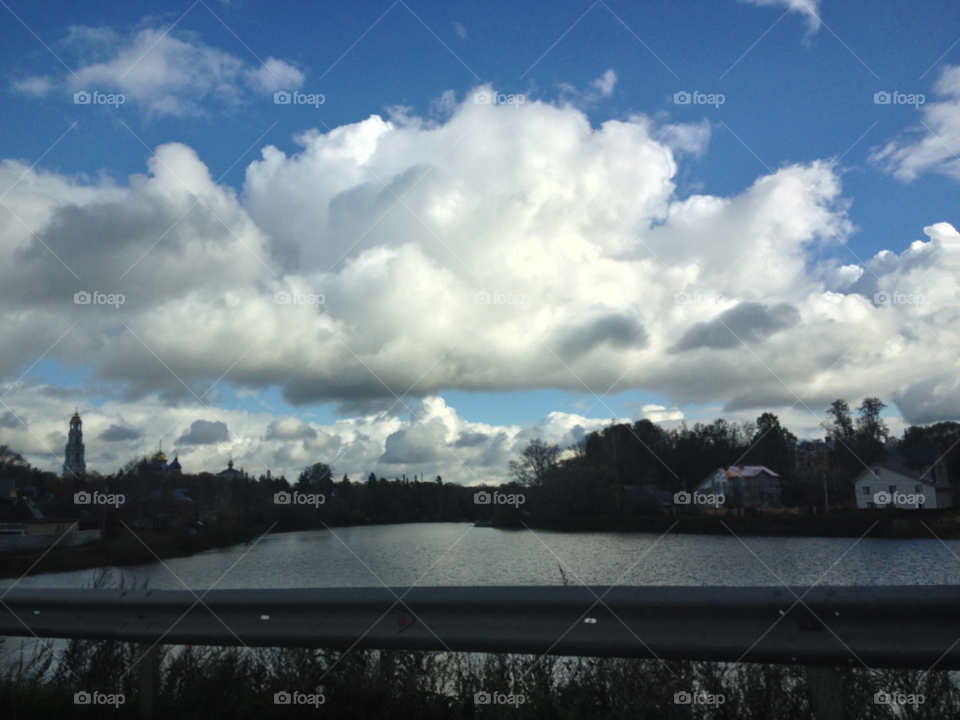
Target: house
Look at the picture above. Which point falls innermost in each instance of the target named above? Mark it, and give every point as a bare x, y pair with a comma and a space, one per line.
906, 475
816, 454
748, 486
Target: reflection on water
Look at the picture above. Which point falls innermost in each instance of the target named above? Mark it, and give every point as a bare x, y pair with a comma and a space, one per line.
458, 554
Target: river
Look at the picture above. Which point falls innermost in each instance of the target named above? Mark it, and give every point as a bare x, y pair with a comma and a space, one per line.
459, 554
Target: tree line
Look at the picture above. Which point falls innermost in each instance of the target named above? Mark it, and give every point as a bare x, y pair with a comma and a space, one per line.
584, 479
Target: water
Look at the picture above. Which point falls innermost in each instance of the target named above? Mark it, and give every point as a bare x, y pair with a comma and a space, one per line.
458, 554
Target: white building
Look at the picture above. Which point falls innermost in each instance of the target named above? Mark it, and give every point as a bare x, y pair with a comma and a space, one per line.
904, 486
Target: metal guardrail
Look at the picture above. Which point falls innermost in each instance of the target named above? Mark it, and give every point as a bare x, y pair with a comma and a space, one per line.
884, 627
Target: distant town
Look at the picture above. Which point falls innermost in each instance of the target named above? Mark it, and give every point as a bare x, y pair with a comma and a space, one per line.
626, 476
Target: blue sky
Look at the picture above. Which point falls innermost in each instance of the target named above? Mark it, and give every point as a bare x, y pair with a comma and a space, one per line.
798, 82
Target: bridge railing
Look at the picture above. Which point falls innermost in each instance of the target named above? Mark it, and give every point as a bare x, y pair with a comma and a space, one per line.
915, 627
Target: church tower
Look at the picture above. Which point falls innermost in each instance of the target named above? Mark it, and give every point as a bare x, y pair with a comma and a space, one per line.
73, 462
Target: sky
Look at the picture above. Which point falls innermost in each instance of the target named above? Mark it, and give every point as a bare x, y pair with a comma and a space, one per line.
412, 237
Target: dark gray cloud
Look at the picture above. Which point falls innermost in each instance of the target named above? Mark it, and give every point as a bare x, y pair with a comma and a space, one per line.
118, 433
471, 439
931, 400
748, 321
616, 330
204, 432
9, 420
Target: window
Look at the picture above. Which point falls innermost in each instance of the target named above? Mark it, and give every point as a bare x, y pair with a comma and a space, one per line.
866, 489
918, 488
876, 471
892, 489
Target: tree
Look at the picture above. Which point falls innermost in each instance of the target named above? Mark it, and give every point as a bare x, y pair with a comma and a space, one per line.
860, 442
839, 423
872, 431
536, 460
10, 459
318, 478
774, 445
579, 449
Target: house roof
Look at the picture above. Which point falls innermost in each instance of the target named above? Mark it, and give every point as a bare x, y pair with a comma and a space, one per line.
748, 471
923, 455
909, 472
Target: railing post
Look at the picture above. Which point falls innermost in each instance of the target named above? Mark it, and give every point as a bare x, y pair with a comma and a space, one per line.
149, 667
825, 698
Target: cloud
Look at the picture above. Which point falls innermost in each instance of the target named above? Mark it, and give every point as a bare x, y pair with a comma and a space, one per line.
163, 72
929, 400
274, 75
602, 87
810, 9
605, 84
9, 420
120, 433
36, 86
435, 439
601, 329
584, 222
290, 428
204, 432
460, 30
910, 156
745, 323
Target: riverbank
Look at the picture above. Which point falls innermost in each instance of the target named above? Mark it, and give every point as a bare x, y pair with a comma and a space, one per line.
880, 524
121, 550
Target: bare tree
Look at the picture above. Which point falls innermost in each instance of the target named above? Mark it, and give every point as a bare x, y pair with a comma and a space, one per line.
536, 459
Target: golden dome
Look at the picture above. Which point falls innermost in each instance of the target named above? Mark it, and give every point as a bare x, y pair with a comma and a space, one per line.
159, 456
76, 417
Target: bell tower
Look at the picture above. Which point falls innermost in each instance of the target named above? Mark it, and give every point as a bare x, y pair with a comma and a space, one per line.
73, 462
